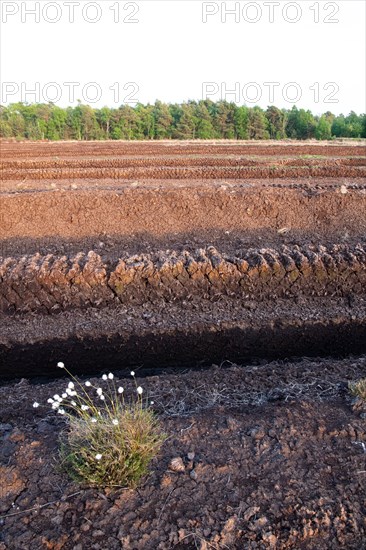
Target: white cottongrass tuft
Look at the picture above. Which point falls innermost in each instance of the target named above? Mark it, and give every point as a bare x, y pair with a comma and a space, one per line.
35, 405
103, 434
61, 365
65, 405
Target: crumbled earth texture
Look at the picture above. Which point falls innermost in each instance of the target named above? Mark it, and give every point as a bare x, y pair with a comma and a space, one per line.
232, 277
49, 283
166, 253
266, 456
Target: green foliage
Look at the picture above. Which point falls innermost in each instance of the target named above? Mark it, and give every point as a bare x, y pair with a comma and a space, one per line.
323, 129
163, 120
204, 126
109, 455
277, 121
109, 441
224, 120
257, 124
363, 134
352, 126
241, 122
301, 124
204, 119
185, 123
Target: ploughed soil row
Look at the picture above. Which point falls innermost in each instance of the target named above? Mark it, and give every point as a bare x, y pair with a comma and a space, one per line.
163, 209
312, 186
277, 461
53, 283
23, 150
11, 168
187, 172
132, 300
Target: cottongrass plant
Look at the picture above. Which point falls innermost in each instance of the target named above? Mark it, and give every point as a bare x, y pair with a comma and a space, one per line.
109, 440
358, 389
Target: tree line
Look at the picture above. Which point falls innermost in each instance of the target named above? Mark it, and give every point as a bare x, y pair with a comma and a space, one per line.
190, 120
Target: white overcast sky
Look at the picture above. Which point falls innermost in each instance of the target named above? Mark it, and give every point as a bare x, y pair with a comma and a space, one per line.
317, 61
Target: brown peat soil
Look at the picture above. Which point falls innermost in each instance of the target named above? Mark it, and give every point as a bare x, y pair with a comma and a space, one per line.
231, 276
279, 462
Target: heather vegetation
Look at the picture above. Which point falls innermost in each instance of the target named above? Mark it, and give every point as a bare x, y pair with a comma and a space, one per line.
192, 120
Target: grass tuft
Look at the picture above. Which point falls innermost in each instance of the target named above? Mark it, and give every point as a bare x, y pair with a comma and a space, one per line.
109, 441
358, 389
102, 453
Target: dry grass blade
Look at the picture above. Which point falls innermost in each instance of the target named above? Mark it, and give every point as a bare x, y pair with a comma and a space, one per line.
358, 389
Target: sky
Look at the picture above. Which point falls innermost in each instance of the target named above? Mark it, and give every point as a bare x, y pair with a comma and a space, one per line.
107, 53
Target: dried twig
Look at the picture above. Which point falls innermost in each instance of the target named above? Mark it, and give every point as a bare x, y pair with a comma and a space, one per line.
39, 507
165, 502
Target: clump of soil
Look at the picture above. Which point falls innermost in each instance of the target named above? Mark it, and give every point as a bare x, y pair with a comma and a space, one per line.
264, 456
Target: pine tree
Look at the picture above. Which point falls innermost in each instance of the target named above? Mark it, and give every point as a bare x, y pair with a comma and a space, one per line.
277, 121
205, 129
241, 122
186, 127
257, 124
163, 120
